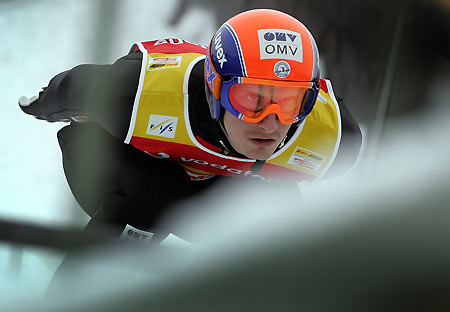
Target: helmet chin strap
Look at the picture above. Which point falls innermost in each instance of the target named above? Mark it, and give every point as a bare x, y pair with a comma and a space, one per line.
258, 164
225, 142
289, 134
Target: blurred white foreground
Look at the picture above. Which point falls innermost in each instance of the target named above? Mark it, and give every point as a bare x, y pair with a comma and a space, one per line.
374, 240
39, 40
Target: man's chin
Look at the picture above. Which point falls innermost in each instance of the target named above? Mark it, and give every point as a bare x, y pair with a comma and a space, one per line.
260, 153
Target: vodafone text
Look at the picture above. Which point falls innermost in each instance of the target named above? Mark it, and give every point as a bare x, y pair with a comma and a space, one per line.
223, 167
239, 172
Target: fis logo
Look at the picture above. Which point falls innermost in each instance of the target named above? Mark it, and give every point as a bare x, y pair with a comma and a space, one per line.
280, 44
163, 126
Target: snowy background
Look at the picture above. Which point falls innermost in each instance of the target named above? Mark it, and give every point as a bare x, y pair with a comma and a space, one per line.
38, 40
42, 38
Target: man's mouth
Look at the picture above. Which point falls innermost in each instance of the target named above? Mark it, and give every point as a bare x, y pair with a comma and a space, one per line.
262, 142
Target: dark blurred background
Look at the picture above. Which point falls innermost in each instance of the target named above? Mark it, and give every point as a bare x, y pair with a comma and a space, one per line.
388, 59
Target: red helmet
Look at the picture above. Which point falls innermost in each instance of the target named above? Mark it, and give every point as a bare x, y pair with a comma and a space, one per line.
261, 62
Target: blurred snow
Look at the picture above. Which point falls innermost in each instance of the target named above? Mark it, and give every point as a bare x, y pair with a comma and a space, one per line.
374, 232
25, 272
42, 39
38, 40
149, 20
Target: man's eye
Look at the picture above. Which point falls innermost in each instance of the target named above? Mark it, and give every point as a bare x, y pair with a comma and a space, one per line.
252, 97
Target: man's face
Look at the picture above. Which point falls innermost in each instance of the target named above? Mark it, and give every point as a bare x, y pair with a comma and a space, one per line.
255, 140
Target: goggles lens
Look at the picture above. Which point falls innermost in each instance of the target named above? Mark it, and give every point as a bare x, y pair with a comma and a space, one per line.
256, 101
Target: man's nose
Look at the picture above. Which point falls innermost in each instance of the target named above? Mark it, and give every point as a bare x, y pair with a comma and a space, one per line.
269, 124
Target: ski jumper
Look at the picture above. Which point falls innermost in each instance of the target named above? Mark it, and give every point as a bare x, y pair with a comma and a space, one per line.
160, 123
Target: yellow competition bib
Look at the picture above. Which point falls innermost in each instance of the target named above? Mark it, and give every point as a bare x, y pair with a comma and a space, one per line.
160, 123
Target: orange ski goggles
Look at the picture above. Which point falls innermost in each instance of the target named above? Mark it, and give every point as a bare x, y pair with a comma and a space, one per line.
252, 99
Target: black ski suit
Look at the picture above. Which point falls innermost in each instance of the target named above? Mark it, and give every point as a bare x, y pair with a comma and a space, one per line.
115, 183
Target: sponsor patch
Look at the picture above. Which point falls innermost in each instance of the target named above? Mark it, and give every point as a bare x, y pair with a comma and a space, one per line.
132, 233
280, 44
306, 159
157, 63
282, 69
163, 126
